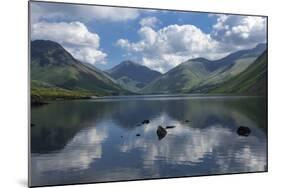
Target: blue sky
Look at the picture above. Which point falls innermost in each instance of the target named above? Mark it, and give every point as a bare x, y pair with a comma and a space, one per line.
130, 28
160, 40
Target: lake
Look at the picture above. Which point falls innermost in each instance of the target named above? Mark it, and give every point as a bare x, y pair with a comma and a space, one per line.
95, 140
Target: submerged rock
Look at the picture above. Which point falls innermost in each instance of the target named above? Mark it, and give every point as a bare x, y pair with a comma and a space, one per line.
146, 121
137, 134
187, 121
170, 127
243, 131
161, 132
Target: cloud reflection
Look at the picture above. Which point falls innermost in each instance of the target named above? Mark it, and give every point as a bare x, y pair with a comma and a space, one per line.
187, 145
78, 154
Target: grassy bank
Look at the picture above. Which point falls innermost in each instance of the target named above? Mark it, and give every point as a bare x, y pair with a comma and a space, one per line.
40, 96
43, 93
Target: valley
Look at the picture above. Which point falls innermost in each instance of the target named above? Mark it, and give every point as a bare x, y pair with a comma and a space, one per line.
56, 74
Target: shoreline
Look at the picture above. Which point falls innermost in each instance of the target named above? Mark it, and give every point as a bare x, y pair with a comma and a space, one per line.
46, 101
174, 97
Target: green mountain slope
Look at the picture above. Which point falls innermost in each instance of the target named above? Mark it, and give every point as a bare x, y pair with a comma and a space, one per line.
52, 64
200, 75
252, 81
180, 79
133, 76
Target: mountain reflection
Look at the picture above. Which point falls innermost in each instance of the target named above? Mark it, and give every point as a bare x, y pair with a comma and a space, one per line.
99, 143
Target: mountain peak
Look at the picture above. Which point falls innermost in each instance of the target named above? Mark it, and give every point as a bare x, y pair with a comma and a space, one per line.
52, 64
49, 52
261, 46
129, 62
45, 43
134, 71
200, 59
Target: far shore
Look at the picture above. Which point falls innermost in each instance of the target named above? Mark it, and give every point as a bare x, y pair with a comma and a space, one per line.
44, 101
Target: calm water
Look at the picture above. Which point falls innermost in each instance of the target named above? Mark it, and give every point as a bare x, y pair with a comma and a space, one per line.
95, 140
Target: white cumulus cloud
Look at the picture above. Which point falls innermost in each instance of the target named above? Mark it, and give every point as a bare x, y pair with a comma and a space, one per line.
239, 31
74, 36
68, 12
169, 46
149, 21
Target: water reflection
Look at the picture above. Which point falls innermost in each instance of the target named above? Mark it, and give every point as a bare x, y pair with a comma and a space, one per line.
78, 154
95, 140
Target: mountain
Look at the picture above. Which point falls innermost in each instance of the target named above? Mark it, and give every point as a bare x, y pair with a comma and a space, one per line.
52, 64
133, 76
200, 75
251, 81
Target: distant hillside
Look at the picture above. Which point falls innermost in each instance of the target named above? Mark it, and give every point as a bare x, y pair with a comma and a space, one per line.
200, 75
55, 73
133, 76
53, 65
251, 81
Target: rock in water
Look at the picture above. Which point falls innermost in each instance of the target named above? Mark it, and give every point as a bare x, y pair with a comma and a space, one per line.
146, 121
137, 134
170, 127
243, 131
161, 132
187, 121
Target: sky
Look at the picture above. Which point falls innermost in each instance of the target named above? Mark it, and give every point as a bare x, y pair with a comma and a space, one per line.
158, 39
